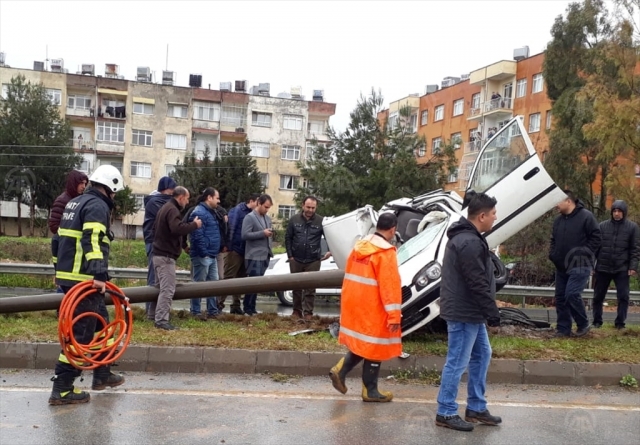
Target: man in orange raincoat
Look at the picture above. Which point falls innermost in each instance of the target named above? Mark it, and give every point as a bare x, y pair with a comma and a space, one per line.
370, 310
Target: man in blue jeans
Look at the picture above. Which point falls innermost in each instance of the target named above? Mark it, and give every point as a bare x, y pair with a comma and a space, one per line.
206, 244
467, 302
575, 239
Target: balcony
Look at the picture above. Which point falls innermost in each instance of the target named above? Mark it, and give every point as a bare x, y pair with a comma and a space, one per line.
81, 144
473, 146
80, 112
110, 147
499, 106
206, 125
498, 71
111, 112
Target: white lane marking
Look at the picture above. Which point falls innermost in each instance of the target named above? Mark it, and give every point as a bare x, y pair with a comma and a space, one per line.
271, 395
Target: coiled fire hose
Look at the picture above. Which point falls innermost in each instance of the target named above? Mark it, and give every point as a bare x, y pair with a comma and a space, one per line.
103, 349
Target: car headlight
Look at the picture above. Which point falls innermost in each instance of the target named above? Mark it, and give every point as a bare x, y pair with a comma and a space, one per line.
427, 274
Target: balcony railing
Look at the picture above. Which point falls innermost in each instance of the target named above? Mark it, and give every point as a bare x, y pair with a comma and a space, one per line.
501, 103
110, 147
473, 146
81, 144
84, 112
113, 112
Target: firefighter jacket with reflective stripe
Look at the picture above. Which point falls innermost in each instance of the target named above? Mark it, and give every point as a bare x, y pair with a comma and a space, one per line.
371, 300
84, 237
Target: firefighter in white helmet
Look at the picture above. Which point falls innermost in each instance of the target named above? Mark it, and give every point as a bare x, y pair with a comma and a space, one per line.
83, 255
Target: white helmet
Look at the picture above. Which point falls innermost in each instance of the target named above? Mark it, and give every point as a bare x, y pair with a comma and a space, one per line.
109, 176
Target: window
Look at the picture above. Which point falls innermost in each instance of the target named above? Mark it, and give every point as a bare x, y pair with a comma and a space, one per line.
453, 176
140, 169
140, 108
458, 107
424, 117
456, 140
260, 119
5, 90
206, 111
117, 165
290, 152
259, 149
289, 182
286, 212
79, 102
264, 179
393, 121
537, 83
548, 124
234, 115
142, 137
292, 122
139, 201
84, 166
413, 123
422, 150
439, 113
534, 122
521, 88
507, 91
435, 145
315, 128
55, 96
169, 169
176, 110
110, 132
475, 101
176, 141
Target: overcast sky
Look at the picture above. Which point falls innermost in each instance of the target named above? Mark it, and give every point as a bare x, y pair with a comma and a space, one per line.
342, 47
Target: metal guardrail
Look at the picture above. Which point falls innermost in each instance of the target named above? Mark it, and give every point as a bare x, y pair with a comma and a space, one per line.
183, 275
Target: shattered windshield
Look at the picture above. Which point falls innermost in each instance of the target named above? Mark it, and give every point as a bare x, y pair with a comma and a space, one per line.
420, 242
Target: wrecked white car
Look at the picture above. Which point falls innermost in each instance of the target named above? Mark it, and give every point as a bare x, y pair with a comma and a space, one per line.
507, 168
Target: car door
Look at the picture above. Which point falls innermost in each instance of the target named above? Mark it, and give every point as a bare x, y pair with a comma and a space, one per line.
509, 169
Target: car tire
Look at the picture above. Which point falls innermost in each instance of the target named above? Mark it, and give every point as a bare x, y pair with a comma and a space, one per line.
285, 297
500, 272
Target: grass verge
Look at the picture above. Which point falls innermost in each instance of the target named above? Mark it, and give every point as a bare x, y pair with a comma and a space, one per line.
268, 331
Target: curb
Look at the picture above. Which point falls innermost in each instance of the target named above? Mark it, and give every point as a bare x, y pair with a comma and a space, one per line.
241, 361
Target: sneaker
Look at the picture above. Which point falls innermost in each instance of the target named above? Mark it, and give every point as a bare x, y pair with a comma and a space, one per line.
236, 311
296, 315
481, 417
596, 325
166, 326
582, 332
453, 422
561, 335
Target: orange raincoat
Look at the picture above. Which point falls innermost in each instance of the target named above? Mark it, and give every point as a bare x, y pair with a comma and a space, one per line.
371, 300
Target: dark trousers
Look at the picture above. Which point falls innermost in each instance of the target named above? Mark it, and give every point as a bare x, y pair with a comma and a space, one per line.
151, 277
602, 281
255, 268
84, 329
569, 304
233, 268
304, 306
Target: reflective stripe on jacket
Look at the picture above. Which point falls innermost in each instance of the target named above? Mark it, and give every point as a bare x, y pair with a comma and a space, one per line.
84, 238
371, 300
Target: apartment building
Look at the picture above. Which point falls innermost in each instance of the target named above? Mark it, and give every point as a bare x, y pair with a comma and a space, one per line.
144, 128
469, 109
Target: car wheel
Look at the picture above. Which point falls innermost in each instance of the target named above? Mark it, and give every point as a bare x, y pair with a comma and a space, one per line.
285, 297
500, 272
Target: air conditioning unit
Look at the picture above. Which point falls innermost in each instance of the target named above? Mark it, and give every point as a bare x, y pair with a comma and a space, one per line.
2, 59
296, 92
111, 70
225, 86
239, 130
448, 81
283, 95
38, 66
143, 74
464, 77
318, 95
263, 89
195, 80
431, 89
241, 86
253, 90
88, 69
57, 65
521, 53
168, 77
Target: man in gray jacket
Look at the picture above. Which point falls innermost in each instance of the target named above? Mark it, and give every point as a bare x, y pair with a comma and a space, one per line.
257, 232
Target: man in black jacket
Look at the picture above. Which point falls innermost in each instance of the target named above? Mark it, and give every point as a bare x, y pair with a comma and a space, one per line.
617, 260
575, 239
303, 244
467, 302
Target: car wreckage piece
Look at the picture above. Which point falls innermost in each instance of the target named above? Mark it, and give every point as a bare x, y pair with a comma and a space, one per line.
507, 168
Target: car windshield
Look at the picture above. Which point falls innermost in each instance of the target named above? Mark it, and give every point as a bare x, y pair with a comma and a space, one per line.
419, 242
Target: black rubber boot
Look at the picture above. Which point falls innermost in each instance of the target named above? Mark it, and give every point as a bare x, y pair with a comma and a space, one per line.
103, 377
370, 393
63, 392
339, 372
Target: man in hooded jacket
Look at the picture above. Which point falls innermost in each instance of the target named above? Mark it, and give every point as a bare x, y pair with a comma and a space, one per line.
574, 242
370, 309
617, 260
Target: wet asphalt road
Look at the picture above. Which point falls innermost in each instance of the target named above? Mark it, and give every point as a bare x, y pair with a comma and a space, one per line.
255, 409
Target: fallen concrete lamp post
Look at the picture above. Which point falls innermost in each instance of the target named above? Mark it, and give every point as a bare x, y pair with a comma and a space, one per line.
235, 286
